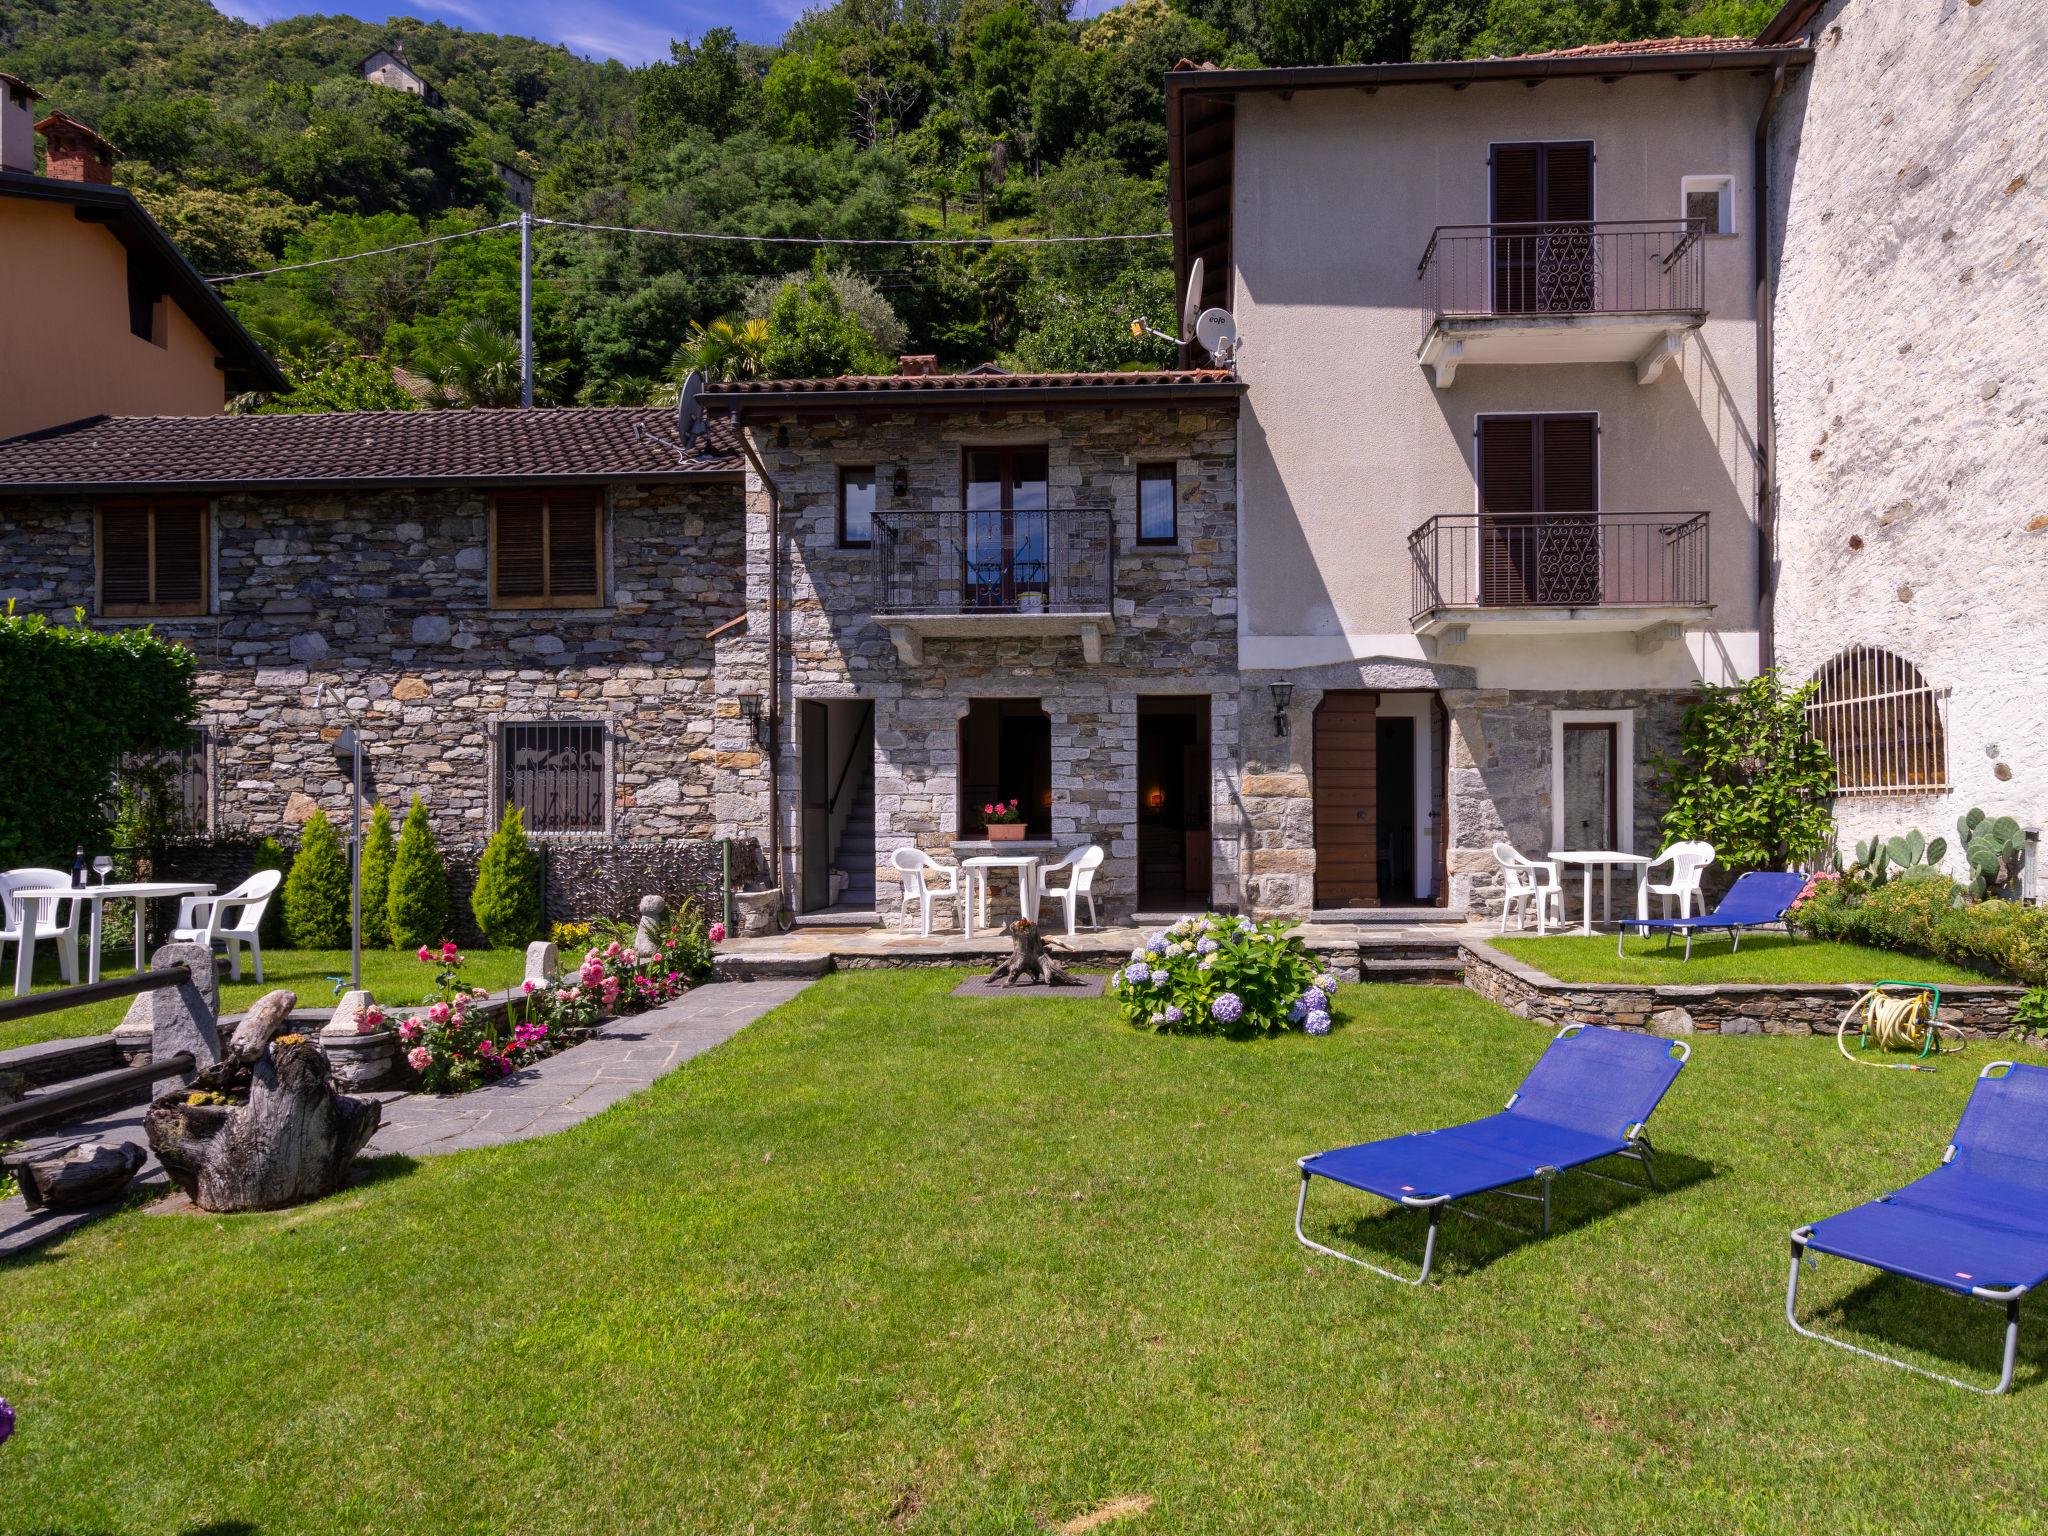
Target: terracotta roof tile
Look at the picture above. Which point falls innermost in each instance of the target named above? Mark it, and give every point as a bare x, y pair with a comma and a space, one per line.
973, 382
362, 447
1644, 45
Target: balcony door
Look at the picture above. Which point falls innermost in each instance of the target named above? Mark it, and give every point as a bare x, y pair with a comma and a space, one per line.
1544, 255
1006, 552
1539, 496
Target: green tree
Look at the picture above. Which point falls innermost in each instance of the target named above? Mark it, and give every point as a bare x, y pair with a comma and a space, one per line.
478, 366
316, 891
705, 85
809, 101
338, 384
506, 900
379, 848
271, 854
1007, 51
417, 906
724, 349
812, 334
1749, 778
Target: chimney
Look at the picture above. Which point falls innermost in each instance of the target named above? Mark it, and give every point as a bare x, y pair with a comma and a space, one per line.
917, 365
73, 152
17, 125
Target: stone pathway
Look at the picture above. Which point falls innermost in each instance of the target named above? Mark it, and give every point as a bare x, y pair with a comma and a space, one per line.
624, 1057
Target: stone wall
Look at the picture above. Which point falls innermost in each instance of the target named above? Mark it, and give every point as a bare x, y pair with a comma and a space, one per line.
1174, 614
1983, 1012
372, 608
1909, 168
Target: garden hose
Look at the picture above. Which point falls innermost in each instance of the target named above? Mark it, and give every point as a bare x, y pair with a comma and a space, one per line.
1902, 1021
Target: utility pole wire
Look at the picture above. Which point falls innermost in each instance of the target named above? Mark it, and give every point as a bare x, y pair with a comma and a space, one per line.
385, 250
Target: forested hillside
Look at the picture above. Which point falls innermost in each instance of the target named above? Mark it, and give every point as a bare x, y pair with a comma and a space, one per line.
257, 146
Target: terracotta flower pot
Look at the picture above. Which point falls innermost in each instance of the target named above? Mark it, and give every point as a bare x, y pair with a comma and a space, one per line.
1006, 831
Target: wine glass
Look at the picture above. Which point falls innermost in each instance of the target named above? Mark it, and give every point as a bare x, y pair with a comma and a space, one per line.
103, 866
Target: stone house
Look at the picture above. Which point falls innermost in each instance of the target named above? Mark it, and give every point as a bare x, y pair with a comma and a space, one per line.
388, 67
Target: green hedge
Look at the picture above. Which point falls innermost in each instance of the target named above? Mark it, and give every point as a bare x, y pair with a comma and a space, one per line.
1928, 913
316, 891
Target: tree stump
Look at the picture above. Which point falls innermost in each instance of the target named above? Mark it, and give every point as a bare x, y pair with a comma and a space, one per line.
1031, 961
84, 1173
291, 1138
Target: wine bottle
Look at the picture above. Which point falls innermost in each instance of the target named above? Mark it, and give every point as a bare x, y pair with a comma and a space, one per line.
78, 869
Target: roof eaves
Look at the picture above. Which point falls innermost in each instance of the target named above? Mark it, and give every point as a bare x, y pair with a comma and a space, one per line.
1474, 71
228, 487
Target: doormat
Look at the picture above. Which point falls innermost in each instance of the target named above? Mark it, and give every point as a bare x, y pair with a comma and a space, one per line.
981, 986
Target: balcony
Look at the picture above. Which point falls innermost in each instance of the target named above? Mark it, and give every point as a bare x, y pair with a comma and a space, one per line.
1617, 292
1643, 573
1027, 572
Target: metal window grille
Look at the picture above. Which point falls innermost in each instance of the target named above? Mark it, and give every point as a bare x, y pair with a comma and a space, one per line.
555, 774
1881, 722
182, 773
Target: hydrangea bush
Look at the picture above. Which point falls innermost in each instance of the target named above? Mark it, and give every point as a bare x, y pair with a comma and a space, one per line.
1224, 975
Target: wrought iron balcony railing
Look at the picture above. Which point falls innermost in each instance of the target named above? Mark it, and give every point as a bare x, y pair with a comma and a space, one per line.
1560, 560
1636, 266
1054, 560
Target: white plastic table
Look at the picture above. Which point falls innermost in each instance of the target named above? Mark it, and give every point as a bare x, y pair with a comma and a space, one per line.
1607, 860
141, 892
974, 913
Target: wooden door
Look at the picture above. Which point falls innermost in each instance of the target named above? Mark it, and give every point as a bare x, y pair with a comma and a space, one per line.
1544, 260
1346, 800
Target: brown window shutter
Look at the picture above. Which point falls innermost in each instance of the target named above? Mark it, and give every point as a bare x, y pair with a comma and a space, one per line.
1571, 481
573, 563
518, 550
1516, 183
180, 554
124, 556
1507, 464
1567, 182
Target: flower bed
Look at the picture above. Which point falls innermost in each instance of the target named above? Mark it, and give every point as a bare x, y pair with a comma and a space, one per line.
1224, 975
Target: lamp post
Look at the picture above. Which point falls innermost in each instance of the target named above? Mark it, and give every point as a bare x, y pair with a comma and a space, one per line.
348, 749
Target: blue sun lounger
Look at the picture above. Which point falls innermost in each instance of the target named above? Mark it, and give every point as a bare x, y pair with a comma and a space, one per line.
1977, 1225
1589, 1096
1752, 901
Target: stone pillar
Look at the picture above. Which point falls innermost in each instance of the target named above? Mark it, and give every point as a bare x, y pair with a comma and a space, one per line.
542, 961
182, 1018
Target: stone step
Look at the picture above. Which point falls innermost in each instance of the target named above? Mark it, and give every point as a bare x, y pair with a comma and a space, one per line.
1383, 917
1413, 969
847, 914
57, 1061
729, 966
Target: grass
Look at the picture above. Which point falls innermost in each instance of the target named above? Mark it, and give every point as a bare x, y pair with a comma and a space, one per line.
391, 976
890, 1260
1762, 957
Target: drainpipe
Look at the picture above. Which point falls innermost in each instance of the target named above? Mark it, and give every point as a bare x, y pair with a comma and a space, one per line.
1766, 392
774, 710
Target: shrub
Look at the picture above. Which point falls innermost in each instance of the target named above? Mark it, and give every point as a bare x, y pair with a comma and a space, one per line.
1927, 913
378, 849
1224, 975
417, 907
506, 900
1749, 777
271, 854
316, 890
569, 935
1910, 914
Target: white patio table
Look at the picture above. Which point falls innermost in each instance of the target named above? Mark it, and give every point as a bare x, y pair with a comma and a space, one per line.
141, 892
974, 911
1607, 861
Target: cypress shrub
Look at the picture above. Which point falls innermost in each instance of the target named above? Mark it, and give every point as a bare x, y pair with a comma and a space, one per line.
507, 898
379, 846
417, 907
316, 890
270, 854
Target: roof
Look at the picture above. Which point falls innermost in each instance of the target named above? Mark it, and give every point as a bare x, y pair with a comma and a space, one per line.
583, 444
886, 389
63, 124
247, 365
1790, 22
19, 86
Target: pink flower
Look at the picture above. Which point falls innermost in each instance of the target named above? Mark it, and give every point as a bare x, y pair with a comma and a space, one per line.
439, 1013
426, 953
409, 1031
419, 1058
449, 951
528, 987
368, 1020
716, 933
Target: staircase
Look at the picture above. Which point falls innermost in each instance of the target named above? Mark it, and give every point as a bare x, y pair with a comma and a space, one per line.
856, 851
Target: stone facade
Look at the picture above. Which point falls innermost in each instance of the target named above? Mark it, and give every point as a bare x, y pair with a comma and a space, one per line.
1173, 608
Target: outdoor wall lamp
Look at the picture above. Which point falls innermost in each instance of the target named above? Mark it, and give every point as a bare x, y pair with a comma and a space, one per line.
899, 483
1282, 692
750, 711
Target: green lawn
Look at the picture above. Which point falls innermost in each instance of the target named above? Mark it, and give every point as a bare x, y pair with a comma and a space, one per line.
391, 976
987, 1266
1762, 957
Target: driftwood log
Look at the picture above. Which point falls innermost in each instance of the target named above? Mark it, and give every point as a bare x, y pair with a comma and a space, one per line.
1031, 961
83, 1173
285, 1135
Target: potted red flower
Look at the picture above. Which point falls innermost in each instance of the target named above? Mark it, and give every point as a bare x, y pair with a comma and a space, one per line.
1003, 822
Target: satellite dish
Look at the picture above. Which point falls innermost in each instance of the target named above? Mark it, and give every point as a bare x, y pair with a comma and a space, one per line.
1191, 307
1217, 332
692, 426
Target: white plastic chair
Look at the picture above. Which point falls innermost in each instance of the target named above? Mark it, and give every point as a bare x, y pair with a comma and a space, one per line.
1080, 864
1525, 880
56, 921
918, 870
1687, 861
233, 919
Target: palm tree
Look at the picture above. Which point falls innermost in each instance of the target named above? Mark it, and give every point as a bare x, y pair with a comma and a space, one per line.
480, 367
724, 349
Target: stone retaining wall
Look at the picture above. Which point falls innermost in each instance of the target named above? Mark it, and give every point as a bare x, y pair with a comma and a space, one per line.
1981, 1012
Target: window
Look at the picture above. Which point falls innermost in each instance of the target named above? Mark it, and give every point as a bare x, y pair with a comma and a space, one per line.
547, 549
1158, 516
554, 773
857, 506
153, 559
1007, 555
1881, 723
1539, 493
170, 786
1543, 255
1709, 203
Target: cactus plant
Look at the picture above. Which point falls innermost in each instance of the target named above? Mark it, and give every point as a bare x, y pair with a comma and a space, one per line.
1992, 847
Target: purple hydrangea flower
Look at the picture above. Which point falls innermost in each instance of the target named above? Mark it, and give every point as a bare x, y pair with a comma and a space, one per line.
1227, 1009
1174, 1014
1207, 947
1158, 944
1327, 982
1297, 1011
1315, 998
1137, 971
6, 1421
1317, 1023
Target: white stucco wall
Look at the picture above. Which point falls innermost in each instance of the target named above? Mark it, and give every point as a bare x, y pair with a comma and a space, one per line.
1910, 176
1345, 444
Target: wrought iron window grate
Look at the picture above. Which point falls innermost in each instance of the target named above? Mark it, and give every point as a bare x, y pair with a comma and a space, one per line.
1882, 723
554, 774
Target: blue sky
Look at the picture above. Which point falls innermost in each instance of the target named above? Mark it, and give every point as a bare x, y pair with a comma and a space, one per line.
619, 29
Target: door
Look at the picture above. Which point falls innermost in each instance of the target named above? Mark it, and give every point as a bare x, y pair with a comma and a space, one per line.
815, 802
1589, 786
1544, 255
1539, 484
1346, 800
1005, 554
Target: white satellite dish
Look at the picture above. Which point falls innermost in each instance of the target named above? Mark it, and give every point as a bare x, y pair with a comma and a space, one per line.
692, 426
1217, 332
1191, 307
